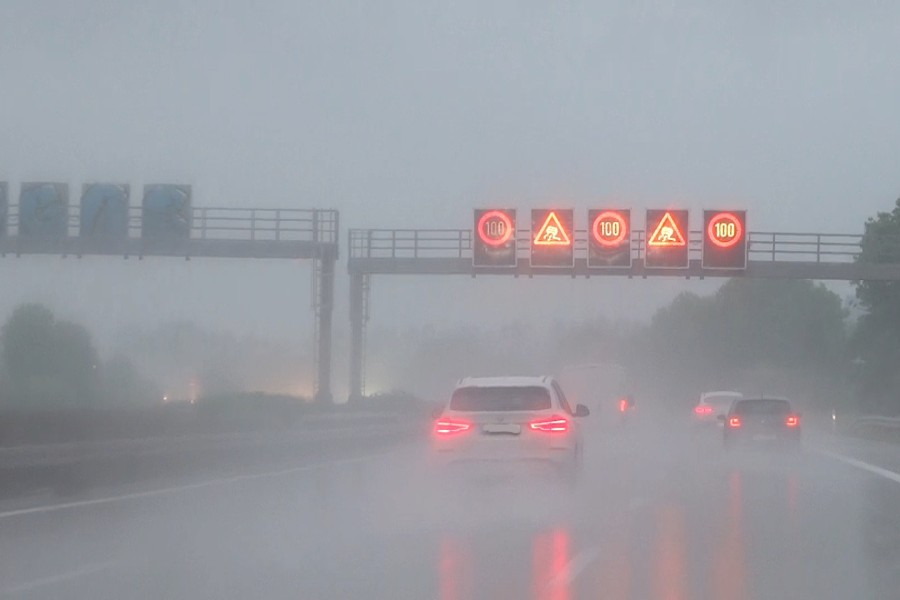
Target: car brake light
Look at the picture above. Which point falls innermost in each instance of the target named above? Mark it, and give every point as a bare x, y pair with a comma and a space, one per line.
734, 422
703, 409
792, 421
449, 426
554, 424
623, 405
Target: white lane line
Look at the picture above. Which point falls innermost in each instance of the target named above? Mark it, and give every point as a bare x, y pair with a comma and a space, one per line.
571, 571
895, 477
61, 578
181, 488
586, 558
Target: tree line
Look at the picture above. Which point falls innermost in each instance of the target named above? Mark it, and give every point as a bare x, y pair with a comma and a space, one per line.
46, 362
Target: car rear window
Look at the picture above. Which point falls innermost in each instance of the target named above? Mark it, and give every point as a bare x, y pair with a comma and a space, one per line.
762, 407
500, 398
720, 400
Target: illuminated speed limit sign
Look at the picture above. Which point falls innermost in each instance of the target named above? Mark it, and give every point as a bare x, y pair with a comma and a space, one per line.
609, 238
495, 238
725, 239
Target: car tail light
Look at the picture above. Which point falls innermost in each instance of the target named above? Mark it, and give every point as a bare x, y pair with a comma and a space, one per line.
623, 405
703, 409
734, 422
792, 421
553, 424
449, 426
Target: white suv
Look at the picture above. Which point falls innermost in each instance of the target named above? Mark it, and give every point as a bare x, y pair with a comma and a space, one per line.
713, 406
506, 420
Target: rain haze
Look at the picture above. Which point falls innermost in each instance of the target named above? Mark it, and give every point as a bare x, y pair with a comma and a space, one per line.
411, 114
194, 379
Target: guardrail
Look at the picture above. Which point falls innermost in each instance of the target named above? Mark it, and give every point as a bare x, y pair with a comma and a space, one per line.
273, 224
762, 245
886, 423
66, 468
885, 429
309, 429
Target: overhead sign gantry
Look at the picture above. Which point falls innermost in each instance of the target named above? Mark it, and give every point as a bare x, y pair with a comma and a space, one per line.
602, 241
167, 224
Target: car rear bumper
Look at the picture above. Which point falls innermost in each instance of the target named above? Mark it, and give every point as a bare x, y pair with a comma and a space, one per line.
762, 438
712, 421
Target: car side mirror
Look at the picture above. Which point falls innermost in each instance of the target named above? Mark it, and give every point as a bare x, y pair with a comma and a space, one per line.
581, 410
722, 418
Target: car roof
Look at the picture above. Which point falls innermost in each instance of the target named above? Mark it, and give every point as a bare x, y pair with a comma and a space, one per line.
508, 381
727, 394
765, 399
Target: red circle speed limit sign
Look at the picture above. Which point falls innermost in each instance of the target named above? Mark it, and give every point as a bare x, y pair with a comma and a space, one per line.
495, 228
725, 230
610, 228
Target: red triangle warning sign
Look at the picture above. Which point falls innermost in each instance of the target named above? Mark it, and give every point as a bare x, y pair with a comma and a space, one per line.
552, 233
667, 234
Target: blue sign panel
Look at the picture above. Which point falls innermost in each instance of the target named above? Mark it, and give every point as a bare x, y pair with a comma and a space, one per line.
4, 207
166, 212
44, 210
104, 211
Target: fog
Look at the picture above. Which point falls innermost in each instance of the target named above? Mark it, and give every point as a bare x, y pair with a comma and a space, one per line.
410, 114
152, 444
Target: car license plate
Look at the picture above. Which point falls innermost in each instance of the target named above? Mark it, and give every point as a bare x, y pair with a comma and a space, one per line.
764, 437
501, 428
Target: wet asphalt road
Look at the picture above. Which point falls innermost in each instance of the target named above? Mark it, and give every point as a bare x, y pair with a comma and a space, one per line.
659, 514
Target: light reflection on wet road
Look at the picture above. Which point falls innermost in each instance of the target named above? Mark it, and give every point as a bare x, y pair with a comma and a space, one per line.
658, 515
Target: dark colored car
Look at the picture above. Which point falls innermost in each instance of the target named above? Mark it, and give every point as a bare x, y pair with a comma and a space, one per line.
762, 421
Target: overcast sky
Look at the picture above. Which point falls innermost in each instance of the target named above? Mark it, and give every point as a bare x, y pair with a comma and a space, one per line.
412, 113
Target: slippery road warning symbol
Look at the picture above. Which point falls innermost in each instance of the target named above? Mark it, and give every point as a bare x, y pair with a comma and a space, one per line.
552, 233
667, 234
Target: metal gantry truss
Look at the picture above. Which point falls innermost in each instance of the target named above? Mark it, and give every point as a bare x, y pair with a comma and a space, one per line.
771, 255
360, 288
278, 233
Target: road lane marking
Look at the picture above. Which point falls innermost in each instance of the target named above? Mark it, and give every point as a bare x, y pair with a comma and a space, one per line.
571, 571
574, 568
180, 488
84, 571
895, 477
